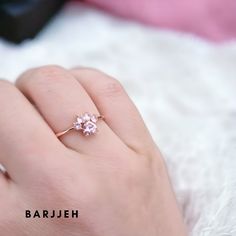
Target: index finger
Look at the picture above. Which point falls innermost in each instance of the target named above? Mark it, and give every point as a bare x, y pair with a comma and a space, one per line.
24, 135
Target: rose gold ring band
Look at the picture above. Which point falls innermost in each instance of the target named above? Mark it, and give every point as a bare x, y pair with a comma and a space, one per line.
86, 124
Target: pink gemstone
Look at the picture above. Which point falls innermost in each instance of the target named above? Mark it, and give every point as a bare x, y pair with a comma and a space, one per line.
77, 126
86, 117
89, 128
79, 120
94, 118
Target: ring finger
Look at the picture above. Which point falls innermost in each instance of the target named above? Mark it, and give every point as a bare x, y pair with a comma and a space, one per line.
59, 98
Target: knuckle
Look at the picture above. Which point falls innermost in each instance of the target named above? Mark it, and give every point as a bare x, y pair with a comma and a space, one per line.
49, 71
86, 71
108, 86
112, 88
41, 76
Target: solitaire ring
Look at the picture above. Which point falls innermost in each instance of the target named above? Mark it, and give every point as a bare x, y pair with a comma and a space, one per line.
86, 124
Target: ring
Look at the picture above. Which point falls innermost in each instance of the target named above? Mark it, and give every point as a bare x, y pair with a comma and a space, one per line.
85, 123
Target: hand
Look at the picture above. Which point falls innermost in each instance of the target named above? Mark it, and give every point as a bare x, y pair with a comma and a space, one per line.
116, 179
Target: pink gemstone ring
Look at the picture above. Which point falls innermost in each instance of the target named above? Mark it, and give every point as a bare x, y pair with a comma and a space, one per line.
86, 124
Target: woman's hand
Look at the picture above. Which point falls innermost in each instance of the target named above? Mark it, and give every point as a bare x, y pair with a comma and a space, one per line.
115, 180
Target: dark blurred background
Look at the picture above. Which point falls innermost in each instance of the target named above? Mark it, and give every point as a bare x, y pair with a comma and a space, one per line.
22, 19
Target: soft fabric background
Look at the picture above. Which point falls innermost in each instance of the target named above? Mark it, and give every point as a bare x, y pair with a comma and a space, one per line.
185, 89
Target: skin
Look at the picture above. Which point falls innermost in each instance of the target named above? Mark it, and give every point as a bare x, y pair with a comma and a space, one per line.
116, 179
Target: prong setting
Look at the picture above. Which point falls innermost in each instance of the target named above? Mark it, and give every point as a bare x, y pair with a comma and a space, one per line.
86, 123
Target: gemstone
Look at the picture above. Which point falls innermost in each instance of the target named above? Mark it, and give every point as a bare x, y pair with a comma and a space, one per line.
77, 126
86, 117
79, 120
89, 128
94, 118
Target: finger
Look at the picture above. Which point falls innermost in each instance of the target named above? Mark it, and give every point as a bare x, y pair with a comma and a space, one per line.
121, 114
23, 133
59, 97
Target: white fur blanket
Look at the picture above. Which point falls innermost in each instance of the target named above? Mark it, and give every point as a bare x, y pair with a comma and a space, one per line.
184, 87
